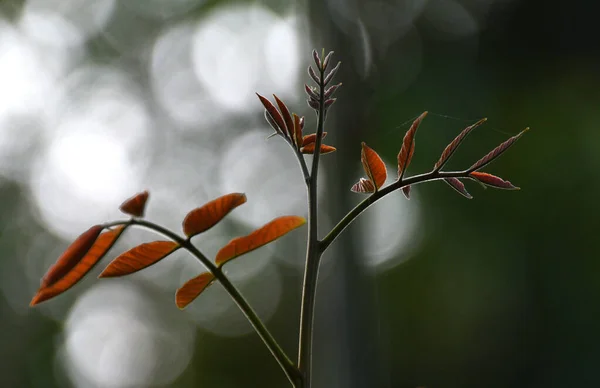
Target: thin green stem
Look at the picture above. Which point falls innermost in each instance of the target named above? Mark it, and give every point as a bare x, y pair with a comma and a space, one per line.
284, 361
313, 254
362, 206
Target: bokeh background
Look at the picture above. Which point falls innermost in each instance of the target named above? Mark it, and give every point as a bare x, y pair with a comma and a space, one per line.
100, 99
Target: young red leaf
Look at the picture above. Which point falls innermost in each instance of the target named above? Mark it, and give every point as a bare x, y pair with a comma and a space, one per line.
450, 148
408, 146
73, 255
363, 186
193, 288
313, 75
136, 205
317, 59
330, 90
297, 130
458, 186
373, 165
331, 74
493, 181
264, 235
406, 191
138, 258
306, 140
100, 247
208, 215
310, 149
310, 91
326, 60
287, 117
493, 154
275, 115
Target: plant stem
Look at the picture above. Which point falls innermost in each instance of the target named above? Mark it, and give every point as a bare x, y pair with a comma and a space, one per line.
284, 361
362, 206
313, 254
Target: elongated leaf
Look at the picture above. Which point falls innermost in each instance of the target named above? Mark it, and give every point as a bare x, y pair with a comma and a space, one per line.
493, 154
310, 149
326, 60
264, 235
306, 140
297, 131
74, 253
193, 288
136, 205
450, 148
408, 146
317, 59
208, 215
273, 112
310, 91
331, 74
373, 165
363, 186
138, 258
313, 75
101, 246
458, 186
406, 191
287, 118
493, 181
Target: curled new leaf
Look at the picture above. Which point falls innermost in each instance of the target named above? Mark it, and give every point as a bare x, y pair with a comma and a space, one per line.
450, 148
406, 191
264, 235
312, 138
408, 146
458, 186
193, 288
99, 248
493, 154
273, 112
207, 216
136, 205
363, 186
493, 181
310, 149
138, 258
373, 165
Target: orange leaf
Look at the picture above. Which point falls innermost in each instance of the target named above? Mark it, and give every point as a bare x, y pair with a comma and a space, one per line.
373, 165
363, 186
310, 149
138, 258
205, 217
493, 181
100, 247
135, 205
264, 235
74, 253
297, 131
193, 288
408, 146
493, 154
458, 186
275, 115
289, 122
306, 140
450, 148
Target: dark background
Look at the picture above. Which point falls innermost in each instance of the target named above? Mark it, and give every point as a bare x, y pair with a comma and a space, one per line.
498, 291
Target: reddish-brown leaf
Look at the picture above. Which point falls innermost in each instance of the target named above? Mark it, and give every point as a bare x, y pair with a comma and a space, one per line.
406, 191
493, 154
264, 235
310, 91
297, 131
306, 140
208, 215
193, 288
331, 74
138, 258
373, 165
275, 115
74, 253
136, 205
450, 148
287, 117
313, 75
493, 181
310, 149
100, 247
458, 186
408, 146
363, 186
